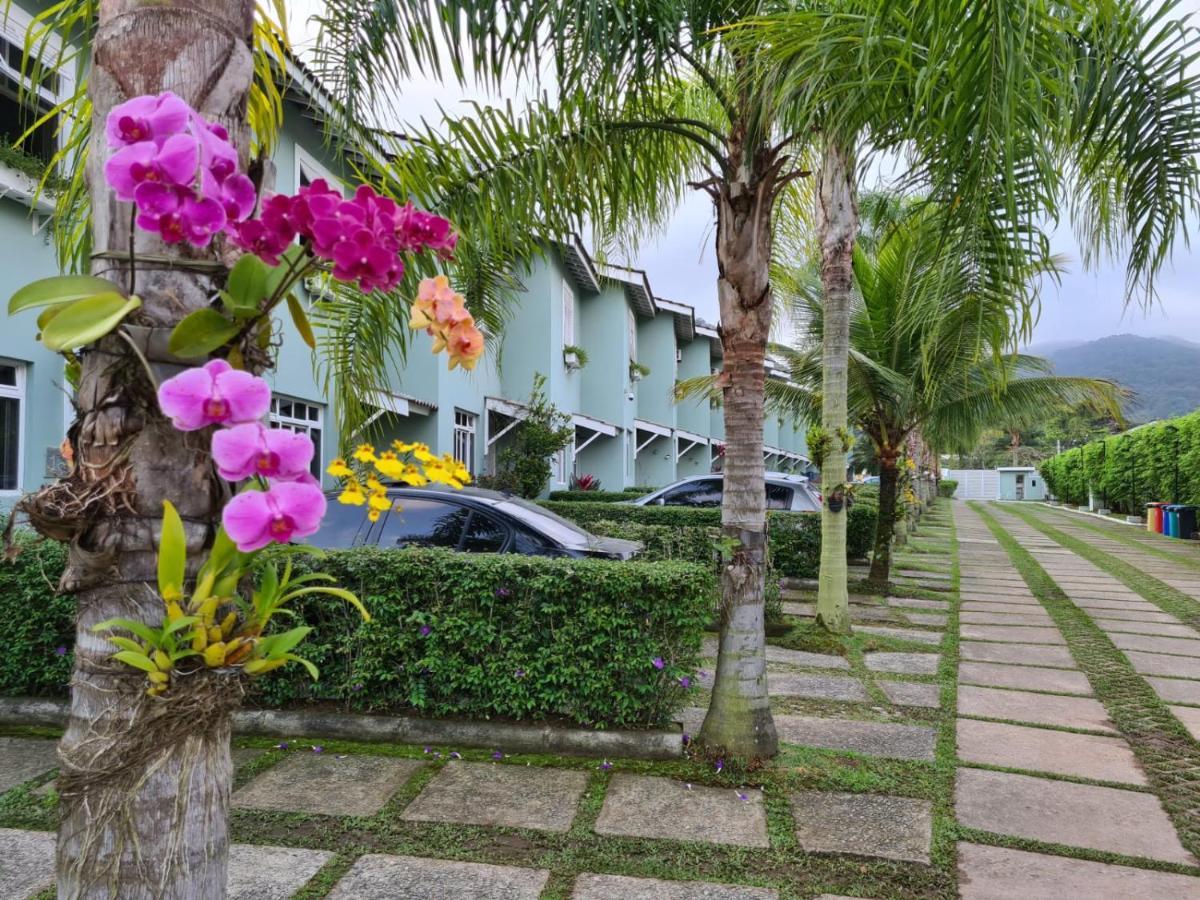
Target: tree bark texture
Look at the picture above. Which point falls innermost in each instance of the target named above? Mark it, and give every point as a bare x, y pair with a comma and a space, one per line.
739, 715
837, 228
144, 799
885, 523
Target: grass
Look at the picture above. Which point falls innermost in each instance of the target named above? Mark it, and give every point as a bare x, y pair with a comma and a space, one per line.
1157, 546
1169, 756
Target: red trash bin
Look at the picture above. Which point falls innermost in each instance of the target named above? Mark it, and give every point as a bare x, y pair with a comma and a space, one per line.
1154, 517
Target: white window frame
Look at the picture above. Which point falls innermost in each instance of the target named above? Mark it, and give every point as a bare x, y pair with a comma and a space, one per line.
568, 314
17, 392
562, 464
466, 427
307, 164
631, 325
294, 423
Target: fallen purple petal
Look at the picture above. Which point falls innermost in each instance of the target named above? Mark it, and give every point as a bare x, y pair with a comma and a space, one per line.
60, 650
496, 754
454, 754
317, 748
604, 766
685, 682
657, 662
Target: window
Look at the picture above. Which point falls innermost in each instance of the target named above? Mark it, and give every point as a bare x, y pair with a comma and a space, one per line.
558, 467
465, 424
343, 526
306, 418
484, 534
424, 523
568, 314
309, 170
705, 493
632, 326
779, 496
18, 112
12, 396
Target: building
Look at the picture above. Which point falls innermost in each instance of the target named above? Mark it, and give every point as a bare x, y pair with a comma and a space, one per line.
628, 429
1019, 483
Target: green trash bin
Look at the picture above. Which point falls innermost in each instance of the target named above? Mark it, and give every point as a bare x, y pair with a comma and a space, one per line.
1171, 518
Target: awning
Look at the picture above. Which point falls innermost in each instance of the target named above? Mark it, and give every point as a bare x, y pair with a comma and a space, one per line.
596, 427
686, 441
507, 408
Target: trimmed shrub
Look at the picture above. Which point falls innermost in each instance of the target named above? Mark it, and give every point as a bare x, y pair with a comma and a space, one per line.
1132, 469
794, 538
509, 636
594, 496
697, 544
40, 629
947, 487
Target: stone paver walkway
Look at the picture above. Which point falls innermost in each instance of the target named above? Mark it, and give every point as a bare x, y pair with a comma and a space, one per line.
1022, 773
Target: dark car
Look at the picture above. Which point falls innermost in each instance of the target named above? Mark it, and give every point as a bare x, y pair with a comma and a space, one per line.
784, 491
470, 519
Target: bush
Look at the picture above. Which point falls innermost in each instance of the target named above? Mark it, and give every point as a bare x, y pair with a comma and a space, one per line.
696, 544
512, 636
1132, 469
794, 538
947, 487
523, 466
40, 629
594, 496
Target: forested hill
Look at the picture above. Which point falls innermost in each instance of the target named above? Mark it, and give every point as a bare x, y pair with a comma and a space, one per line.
1163, 372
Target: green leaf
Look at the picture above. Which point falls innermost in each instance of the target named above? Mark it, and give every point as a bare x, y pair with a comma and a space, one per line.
125, 644
141, 629
172, 553
247, 285
46, 315
200, 333
86, 321
57, 291
290, 264
301, 320
182, 622
312, 670
137, 660
341, 593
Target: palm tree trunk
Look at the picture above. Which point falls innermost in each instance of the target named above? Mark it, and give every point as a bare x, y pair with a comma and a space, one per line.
885, 523
144, 788
837, 228
739, 716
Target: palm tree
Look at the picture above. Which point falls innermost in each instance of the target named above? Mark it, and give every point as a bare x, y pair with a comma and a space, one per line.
917, 324
1004, 111
650, 102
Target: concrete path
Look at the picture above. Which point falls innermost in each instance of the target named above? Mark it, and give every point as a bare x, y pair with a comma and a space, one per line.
1040, 760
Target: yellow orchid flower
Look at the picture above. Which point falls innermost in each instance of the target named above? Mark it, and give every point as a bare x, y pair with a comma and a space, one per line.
365, 453
339, 469
352, 494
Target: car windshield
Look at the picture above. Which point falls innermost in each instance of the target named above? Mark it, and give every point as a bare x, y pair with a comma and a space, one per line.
550, 524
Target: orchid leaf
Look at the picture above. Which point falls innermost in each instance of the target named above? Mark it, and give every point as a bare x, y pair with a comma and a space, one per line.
58, 291
86, 321
200, 333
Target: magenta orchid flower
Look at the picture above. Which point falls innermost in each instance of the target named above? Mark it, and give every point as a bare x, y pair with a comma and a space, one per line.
213, 394
236, 194
147, 118
290, 509
253, 449
173, 163
175, 214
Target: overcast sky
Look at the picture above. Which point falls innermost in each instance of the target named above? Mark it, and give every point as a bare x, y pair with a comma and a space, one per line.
681, 266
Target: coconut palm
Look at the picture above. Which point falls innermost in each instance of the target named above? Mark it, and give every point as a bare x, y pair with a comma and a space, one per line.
917, 326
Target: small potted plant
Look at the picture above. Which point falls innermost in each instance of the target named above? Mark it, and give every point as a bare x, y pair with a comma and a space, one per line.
574, 357
637, 371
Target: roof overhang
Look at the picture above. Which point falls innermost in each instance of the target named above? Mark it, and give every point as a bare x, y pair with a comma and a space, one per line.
691, 437
399, 404
505, 407
652, 427
637, 287
597, 425
685, 319
579, 263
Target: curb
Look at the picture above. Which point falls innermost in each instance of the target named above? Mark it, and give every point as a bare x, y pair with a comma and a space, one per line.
507, 736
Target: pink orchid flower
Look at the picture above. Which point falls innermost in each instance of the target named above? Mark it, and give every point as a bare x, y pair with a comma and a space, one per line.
360, 258
417, 229
213, 394
147, 118
217, 155
254, 449
174, 163
236, 194
288, 510
176, 214
257, 238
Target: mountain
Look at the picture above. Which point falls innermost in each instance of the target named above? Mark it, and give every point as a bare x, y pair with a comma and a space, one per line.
1163, 372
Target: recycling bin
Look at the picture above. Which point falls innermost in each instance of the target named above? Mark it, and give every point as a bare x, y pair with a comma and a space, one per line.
1171, 517
1187, 522
1154, 517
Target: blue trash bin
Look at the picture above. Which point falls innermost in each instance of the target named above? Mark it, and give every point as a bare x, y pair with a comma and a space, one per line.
1171, 528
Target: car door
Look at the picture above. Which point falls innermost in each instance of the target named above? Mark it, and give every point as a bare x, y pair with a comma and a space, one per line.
343, 526
702, 493
424, 522
485, 534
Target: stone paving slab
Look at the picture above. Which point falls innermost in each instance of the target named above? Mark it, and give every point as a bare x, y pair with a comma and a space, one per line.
1173, 646
916, 603
379, 877
912, 693
1013, 634
1162, 664
26, 863
971, 617
1029, 678
24, 758
784, 655
1039, 709
648, 806
271, 873
938, 620
1062, 812
1156, 629
1019, 609
510, 796
622, 887
1176, 690
903, 634
1190, 718
863, 825
799, 609
819, 687
902, 663
1046, 750
886, 739
1015, 597
326, 785
1138, 615
998, 873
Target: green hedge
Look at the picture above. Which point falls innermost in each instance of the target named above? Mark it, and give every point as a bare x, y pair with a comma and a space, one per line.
947, 487
508, 636
596, 496
795, 538
1131, 469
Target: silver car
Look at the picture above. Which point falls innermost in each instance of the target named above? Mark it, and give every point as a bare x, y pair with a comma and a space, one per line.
784, 491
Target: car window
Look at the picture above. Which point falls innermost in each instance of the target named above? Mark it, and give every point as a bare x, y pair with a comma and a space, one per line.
343, 526
543, 521
424, 523
484, 534
779, 496
531, 544
703, 493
